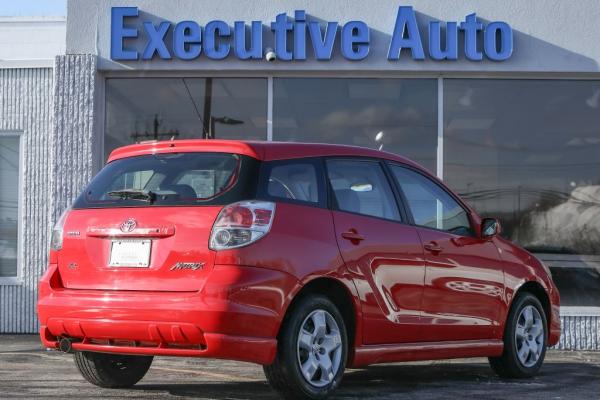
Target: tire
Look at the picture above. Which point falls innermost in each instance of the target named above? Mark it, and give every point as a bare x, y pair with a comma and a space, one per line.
285, 374
112, 370
528, 340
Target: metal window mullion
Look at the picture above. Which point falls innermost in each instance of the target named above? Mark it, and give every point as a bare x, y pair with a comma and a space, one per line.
440, 128
270, 108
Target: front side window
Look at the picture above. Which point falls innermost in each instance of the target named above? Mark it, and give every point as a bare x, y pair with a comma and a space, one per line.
430, 205
172, 179
9, 205
361, 187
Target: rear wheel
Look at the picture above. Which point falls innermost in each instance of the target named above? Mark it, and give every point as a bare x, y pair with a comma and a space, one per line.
112, 370
525, 339
311, 352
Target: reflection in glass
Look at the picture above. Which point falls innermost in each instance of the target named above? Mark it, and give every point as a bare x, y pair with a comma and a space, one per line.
140, 109
396, 115
577, 286
527, 151
9, 205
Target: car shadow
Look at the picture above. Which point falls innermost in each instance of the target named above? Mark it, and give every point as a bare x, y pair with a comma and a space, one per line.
211, 390
444, 380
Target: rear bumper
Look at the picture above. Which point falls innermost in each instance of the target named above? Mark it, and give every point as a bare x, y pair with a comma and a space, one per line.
236, 316
214, 345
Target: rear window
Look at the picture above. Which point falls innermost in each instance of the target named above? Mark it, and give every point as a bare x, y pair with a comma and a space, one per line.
173, 179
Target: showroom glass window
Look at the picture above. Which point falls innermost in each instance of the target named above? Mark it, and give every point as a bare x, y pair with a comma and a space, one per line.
140, 109
396, 115
528, 152
9, 204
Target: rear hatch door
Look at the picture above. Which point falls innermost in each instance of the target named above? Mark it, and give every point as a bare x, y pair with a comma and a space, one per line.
144, 222
164, 249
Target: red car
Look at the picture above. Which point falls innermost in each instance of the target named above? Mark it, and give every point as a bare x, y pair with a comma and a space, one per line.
304, 258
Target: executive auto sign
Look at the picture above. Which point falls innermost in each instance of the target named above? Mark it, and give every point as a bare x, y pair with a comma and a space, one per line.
218, 40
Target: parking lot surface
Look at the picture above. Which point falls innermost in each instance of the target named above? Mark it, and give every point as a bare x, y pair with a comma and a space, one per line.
29, 372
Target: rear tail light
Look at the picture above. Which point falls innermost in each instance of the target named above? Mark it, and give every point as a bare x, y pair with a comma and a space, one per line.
240, 224
56, 239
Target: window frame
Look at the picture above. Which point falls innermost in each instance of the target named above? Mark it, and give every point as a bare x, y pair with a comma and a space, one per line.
389, 164
332, 204
17, 279
318, 164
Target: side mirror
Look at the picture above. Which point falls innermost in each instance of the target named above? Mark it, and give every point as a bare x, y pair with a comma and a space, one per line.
490, 227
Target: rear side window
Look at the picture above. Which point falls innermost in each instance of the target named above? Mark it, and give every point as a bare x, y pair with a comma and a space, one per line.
430, 205
294, 181
361, 187
172, 179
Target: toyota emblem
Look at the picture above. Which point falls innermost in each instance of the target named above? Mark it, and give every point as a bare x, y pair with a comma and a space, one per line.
128, 225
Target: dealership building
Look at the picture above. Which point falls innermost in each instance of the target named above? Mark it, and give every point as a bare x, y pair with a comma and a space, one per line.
499, 99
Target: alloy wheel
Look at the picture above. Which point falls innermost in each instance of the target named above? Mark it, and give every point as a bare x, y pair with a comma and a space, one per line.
319, 348
529, 336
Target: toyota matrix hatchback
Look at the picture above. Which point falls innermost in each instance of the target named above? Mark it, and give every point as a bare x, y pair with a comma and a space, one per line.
304, 258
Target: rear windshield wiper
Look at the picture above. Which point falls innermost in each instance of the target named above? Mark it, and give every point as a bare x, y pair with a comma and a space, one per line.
134, 194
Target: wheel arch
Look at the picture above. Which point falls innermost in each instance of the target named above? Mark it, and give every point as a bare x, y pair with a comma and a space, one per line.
339, 294
535, 288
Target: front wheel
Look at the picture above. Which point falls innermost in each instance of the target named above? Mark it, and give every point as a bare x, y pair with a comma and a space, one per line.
112, 370
525, 339
311, 352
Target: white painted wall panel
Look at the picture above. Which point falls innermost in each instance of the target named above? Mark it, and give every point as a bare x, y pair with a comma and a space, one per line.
26, 107
27, 39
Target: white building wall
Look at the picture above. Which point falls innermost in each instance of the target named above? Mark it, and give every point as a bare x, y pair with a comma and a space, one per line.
28, 47
31, 41
26, 109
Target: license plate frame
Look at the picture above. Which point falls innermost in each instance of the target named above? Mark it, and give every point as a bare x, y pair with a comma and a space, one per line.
130, 253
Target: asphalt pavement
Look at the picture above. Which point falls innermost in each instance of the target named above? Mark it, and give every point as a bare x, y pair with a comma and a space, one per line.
29, 372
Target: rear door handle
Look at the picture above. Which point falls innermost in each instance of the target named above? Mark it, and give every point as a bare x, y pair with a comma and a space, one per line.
353, 236
433, 247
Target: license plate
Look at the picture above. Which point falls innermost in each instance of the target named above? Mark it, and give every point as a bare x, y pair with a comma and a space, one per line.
130, 253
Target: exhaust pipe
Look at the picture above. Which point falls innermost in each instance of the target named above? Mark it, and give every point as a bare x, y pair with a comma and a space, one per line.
65, 345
